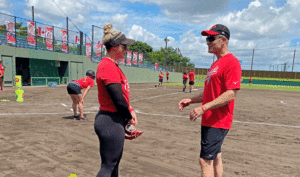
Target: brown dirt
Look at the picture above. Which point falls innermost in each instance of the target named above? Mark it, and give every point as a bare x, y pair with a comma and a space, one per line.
38, 140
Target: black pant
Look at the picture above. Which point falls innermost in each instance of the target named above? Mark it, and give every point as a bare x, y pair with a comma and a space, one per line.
110, 130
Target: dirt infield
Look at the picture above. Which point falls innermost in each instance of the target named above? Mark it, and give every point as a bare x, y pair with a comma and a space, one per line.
38, 140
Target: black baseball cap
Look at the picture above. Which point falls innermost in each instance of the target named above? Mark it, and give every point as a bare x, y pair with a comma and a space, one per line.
119, 39
217, 29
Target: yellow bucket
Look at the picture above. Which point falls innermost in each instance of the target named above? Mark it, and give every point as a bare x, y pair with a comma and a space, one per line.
20, 95
18, 79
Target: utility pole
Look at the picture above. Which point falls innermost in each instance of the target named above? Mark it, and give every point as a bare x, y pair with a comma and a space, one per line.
252, 59
32, 13
294, 60
166, 40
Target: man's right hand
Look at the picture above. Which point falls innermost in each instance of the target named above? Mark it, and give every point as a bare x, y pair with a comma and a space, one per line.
184, 103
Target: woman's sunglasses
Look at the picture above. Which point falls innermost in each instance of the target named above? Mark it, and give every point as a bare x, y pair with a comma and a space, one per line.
212, 38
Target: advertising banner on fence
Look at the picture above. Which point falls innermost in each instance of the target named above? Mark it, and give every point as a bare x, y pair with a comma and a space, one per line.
135, 54
141, 58
156, 65
49, 38
10, 32
31, 33
77, 39
41, 32
122, 61
98, 48
88, 50
64, 40
128, 58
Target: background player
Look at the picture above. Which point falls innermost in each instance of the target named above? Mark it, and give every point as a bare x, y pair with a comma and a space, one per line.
191, 80
184, 80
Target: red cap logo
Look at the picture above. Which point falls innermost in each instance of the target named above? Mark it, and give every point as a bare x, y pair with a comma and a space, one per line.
213, 27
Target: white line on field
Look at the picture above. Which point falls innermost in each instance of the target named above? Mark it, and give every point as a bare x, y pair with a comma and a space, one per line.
155, 97
46, 113
235, 121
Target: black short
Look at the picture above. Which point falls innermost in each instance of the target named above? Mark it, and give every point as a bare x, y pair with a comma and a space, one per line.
74, 88
211, 142
184, 81
167, 78
250, 81
160, 80
192, 83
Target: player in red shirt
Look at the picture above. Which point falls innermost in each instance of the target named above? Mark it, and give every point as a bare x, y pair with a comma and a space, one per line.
167, 77
113, 96
192, 79
1, 76
161, 77
184, 80
221, 85
74, 90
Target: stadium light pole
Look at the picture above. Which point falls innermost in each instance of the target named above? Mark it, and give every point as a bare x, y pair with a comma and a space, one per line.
293, 60
32, 13
252, 59
166, 40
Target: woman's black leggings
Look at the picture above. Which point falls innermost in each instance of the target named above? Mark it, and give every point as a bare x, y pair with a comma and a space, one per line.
110, 130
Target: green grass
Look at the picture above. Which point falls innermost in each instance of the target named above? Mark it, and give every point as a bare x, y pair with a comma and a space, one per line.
252, 86
202, 77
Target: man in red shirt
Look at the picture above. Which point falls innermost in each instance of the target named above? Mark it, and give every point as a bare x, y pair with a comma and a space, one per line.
161, 77
221, 85
1, 76
192, 79
167, 77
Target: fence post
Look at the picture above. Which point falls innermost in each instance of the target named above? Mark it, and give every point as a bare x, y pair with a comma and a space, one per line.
81, 42
16, 30
67, 34
36, 36
92, 45
53, 38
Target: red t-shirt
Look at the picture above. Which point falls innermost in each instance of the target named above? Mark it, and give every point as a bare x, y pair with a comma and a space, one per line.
167, 74
161, 76
85, 82
2, 69
225, 74
109, 72
192, 76
185, 77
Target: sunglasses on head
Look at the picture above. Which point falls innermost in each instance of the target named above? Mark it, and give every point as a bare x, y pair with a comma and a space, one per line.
124, 46
212, 38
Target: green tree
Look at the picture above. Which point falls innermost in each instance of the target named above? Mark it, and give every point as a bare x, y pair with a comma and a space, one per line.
140, 47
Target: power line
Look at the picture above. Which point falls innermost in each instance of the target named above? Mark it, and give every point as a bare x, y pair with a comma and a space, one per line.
66, 15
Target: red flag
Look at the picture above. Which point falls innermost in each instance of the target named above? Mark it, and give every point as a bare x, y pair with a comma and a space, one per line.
98, 48
41, 32
30, 33
49, 36
77, 40
135, 58
156, 65
64, 40
10, 35
141, 58
129, 58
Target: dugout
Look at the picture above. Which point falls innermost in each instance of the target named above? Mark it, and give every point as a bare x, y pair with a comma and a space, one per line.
40, 72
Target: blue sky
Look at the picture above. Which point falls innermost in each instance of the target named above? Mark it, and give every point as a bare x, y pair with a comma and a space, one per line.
271, 27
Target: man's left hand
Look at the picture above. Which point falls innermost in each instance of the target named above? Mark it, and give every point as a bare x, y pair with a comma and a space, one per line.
197, 112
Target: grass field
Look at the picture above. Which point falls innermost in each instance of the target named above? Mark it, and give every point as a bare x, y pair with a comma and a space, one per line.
201, 77
253, 86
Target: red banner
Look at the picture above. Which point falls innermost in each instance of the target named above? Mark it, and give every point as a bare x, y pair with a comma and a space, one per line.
88, 50
49, 38
156, 65
30, 33
122, 61
10, 28
64, 40
77, 39
141, 58
98, 48
41, 32
128, 59
135, 58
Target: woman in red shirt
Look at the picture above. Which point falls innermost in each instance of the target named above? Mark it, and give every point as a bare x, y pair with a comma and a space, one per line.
1, 76
184, 78
113, 96
74, 90
161, 77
